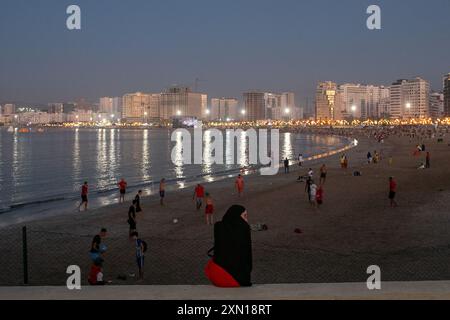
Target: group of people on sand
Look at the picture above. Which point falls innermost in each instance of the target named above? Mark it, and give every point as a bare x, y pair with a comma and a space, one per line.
375, 158
98, 249
201, 196
418, 151
315, 192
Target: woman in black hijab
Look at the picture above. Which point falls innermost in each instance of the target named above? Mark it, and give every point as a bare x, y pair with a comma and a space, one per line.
231, 265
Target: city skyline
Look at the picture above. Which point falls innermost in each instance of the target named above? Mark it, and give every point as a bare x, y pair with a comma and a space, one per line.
288, 46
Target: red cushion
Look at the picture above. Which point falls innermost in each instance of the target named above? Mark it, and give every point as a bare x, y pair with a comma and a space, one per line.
219, 277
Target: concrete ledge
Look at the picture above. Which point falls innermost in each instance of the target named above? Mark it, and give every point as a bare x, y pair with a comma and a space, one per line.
348, 291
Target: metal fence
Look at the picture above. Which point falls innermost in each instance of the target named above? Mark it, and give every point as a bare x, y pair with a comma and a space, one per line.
40, 257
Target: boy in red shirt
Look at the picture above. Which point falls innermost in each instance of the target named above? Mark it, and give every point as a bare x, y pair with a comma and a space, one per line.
239, 185
392, 191
84, 194
122, 189
209, 210
199, 194
319, 196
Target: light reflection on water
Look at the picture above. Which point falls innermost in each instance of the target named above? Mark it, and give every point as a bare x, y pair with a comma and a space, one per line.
41, 166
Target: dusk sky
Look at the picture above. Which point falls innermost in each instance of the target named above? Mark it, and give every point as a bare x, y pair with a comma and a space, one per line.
233, 46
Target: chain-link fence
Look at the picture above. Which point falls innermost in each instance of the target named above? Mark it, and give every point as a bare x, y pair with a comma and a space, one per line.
36, 257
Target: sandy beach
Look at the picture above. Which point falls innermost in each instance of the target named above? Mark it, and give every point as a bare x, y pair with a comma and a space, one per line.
354, 228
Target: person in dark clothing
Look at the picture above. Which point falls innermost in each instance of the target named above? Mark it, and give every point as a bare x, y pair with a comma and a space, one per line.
286, 165
428, 161
138, 201
97, 248
231, 265
132, 217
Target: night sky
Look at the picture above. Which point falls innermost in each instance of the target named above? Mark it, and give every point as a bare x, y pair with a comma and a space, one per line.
232, 46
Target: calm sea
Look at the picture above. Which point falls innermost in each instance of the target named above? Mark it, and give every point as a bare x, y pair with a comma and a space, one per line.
41, 173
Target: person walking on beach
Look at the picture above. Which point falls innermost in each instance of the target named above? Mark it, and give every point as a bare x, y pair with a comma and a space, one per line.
323, 174
162, 191
342, 160
319, 196
209, 209
132, 218
232, 262
140, 253
122, 190
239, 183
376, 157
199, 194
369, 157
312, 194
345, 162
137, 199
300, 160
310, 173
84, 196
308, 187
427, 160
392, 191
286, 165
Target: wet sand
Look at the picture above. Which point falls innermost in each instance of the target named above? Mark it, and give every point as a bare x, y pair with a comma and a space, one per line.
354, 228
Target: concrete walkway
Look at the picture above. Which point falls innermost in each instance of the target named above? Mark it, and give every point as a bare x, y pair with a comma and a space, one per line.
390, 290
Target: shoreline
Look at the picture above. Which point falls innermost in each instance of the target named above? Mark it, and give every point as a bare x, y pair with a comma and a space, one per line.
148, 188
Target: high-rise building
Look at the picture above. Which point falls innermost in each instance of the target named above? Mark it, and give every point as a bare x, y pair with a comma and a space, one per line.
106, 105
255, 106
140, 107
353, 101
410, 99
436, 105
384, 103
182, 102
55, 108
362, 101
285, 108
69, 107
223, 109
447, 95
110, 105
8, 109
327, 101
82, 104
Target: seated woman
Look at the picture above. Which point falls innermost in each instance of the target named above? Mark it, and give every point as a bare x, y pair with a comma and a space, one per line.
231, 265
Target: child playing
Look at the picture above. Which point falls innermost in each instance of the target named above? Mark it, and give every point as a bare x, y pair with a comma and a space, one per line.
209, 210
96, 274
319, 196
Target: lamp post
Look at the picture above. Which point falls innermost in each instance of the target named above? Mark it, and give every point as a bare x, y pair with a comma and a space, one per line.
287, 112
243, 113
353, 111
145, 116
408, 109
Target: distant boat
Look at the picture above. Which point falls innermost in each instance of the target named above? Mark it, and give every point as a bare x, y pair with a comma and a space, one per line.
24, 130
40, 130
10, 129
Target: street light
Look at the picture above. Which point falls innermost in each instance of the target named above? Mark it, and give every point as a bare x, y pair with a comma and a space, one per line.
243, 112
287, 110
178, 113
408, 105
353, 108
208, 111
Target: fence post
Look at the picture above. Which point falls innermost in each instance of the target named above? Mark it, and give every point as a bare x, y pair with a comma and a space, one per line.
25, 255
